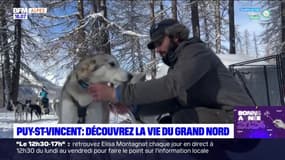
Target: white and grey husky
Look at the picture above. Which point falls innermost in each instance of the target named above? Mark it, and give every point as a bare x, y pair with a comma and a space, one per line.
76, 105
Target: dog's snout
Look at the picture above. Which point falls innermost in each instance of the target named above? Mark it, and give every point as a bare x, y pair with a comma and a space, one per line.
130, 76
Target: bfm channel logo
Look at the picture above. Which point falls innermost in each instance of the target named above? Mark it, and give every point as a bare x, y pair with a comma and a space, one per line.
22, 13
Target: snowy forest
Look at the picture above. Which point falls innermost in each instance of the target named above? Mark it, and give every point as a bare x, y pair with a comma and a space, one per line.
42, 49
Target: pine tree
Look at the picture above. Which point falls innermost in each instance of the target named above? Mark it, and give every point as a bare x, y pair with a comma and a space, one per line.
246, 41
255, 45
271, 37
232, 27
195, 18
4, 47
16, 56
218, 26
174, 9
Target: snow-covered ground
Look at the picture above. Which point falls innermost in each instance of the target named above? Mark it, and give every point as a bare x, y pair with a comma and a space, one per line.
7, 119
229, 59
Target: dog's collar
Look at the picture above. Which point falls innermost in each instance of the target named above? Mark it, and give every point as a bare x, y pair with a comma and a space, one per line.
83, 84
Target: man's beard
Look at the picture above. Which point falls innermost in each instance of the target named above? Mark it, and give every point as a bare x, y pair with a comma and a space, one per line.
170, 57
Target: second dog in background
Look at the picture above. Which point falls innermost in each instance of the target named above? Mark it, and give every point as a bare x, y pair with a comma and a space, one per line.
33, 108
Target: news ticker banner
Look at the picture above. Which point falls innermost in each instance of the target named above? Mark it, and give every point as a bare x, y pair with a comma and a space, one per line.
124, 131
249, 122
259, 122
118, 149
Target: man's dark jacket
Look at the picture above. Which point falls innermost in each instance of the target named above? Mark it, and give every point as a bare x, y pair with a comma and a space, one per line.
198, 87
